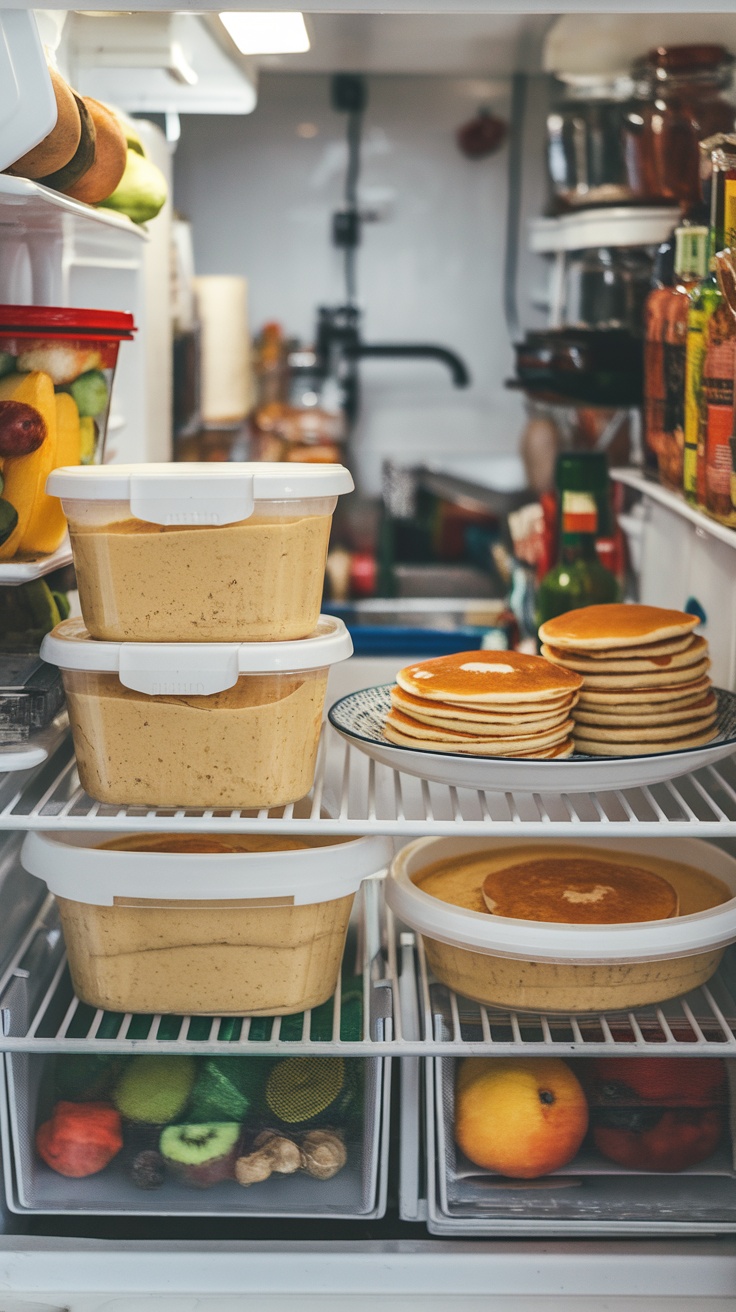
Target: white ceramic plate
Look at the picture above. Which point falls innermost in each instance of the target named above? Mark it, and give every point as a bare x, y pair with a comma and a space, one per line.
360, 718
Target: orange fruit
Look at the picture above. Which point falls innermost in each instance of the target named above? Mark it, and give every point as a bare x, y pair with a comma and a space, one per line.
521, 1117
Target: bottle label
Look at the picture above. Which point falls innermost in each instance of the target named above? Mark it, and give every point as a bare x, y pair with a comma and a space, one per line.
695, 353
729, 213
579, 512
714, 481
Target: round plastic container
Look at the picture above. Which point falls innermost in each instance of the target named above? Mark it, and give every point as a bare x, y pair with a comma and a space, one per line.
241, 933
232, 725
200, 552
538, 966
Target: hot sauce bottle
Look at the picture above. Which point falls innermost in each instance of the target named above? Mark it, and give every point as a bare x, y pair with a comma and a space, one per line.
666, 318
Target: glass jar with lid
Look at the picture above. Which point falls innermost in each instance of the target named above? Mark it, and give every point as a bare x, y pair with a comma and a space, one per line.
684, 104
586, 140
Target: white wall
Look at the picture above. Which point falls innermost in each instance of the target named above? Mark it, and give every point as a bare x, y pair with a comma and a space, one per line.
260, 198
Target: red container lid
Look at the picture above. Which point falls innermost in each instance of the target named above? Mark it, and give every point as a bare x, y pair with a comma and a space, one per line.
105, 325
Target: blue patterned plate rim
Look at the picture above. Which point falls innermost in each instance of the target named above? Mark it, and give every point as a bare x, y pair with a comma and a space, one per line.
344, 713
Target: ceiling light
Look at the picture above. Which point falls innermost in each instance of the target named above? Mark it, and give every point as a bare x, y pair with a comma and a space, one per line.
267, 33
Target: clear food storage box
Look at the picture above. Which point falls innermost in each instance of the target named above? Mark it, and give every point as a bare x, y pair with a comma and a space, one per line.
196, 725
56, 373
241, 1135
543, 966
654, 1160
200, 552
193, 924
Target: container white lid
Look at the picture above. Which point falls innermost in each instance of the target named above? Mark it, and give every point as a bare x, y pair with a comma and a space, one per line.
195, 493
528, 940
74, 867
189, 669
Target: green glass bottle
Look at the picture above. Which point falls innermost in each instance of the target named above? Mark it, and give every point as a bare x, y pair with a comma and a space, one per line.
578, 578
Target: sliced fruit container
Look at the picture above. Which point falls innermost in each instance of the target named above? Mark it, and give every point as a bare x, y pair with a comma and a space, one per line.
56, 372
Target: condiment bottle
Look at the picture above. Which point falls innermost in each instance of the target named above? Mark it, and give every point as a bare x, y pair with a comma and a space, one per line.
655, 313
691, 262
710, 358
578, 578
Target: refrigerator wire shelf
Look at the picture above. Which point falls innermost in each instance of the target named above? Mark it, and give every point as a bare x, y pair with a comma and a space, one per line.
699, 1024
39, 1011
353, 795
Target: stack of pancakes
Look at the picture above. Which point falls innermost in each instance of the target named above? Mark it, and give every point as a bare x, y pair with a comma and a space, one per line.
645, 678
484, 703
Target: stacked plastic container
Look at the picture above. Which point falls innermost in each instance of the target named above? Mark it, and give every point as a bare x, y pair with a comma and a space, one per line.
196, 680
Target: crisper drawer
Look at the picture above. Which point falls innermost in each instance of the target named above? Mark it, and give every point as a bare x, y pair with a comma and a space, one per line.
196, 1173
592, 1194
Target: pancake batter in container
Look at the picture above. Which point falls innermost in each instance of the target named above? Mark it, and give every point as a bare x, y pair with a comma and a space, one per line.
200, 552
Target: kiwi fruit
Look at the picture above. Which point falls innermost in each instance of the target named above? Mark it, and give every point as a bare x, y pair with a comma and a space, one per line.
201, 1155
83, 157
111, 154
59, 147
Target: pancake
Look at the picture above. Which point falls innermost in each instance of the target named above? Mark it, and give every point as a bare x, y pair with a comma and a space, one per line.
508, 678
676, 714
696, 650
667, 648
425, 733
615, 626
593, 746
579, 891
490, 725
477, 748
647, 680
654, 733
441, 712
646, 698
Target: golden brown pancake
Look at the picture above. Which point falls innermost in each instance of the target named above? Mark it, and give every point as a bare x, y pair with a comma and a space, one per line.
695, 651
593, 746
646, 697
439, 712
646, 680
456, 747
425, 733
507, 678
437, 716
675, 714
579, 891
647, 733
669, 647
614, 626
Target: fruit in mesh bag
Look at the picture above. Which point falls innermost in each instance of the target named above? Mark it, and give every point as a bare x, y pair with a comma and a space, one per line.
657, 1113
520, 1117
312, 1091
201, 1155
80, 1139
155, 1090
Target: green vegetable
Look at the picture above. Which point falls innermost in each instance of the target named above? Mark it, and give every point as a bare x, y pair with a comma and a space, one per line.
7, 363
90, 393
8, 519
142, 190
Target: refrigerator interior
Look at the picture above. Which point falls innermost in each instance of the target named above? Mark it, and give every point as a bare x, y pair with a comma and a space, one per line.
395, 1245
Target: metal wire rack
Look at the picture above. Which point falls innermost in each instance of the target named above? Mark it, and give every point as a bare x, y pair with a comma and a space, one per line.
701, 1023
353, 795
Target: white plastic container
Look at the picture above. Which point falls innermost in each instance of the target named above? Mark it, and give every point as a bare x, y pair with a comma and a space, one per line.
541, 966
243, 933
232, 725
200, 552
